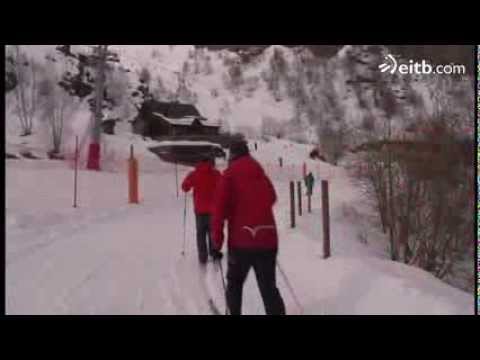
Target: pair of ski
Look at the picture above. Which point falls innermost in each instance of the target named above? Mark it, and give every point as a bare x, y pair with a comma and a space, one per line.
214, 308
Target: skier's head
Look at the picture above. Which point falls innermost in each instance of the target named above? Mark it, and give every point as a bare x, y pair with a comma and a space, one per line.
238, 148
208, 158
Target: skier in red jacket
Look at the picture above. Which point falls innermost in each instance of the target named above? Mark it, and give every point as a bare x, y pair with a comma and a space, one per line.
245, 197
204, 180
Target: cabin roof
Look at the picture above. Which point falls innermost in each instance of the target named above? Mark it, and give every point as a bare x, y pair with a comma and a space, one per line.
184, 121
172, 110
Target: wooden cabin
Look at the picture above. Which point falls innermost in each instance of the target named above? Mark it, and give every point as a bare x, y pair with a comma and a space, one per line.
160, 119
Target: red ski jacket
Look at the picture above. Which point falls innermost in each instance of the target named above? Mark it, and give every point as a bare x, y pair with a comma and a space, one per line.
204, 180
245, 198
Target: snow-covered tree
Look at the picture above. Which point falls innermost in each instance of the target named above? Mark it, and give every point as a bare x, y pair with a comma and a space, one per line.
25, 73
208, 69
10, 77
273, 127
57, 108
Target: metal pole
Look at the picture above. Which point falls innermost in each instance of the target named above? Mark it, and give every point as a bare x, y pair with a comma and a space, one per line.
102, 56
176, 176
94, 149
224, 287
184, 224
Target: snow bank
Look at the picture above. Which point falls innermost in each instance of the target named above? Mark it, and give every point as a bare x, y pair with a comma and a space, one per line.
108, 257
368, 286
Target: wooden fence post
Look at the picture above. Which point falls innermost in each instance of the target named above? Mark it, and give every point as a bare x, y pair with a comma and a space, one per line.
292, 204
132, 178
299, 194
326, 220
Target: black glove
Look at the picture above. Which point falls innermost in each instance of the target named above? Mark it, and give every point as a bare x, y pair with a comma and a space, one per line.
217, 255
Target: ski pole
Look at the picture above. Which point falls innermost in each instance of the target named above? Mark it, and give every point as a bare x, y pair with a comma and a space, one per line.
184, 224
176, 176
224, 287
290, 288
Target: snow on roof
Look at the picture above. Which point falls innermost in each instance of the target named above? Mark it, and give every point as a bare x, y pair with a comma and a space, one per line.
175, 110
186, 142
185, 121
210, 123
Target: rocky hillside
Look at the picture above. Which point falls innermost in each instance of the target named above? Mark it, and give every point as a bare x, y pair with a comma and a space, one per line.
338, 102
277, 90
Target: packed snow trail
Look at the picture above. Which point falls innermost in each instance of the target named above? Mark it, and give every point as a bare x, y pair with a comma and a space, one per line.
108, 257
110, 268
125, 261
128, 265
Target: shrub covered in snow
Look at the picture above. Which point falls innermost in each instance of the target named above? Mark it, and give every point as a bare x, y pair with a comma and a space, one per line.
421, 188
272, 127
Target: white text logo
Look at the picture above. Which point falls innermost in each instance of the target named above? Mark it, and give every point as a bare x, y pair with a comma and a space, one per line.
390, 64
423, 67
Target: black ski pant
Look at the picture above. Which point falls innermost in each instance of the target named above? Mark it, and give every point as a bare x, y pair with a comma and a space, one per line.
204, 245
264, 265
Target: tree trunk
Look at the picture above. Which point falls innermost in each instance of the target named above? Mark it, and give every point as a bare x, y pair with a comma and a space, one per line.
407, 252
94, 148
390, 204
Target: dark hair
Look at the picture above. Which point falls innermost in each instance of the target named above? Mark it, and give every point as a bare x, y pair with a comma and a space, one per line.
208, 157
238, 148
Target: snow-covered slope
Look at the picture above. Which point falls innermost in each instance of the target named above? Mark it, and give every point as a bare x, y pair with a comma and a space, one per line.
108, 257
206, 76
295, 93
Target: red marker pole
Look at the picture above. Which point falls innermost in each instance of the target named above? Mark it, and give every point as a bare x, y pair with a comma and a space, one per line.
75, 174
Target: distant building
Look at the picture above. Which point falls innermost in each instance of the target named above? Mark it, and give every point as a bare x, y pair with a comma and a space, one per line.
157, 119
108, 126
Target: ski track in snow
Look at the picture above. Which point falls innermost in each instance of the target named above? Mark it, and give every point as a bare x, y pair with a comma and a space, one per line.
126, 259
